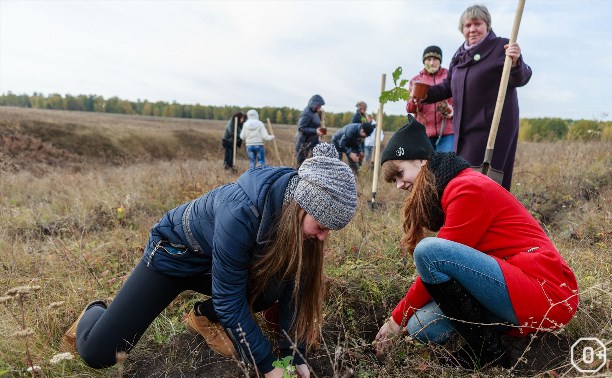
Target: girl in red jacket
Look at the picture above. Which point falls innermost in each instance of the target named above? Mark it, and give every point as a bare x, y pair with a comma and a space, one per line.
491, 262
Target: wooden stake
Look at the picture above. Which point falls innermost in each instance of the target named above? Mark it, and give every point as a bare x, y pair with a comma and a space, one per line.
274, 141
235, 141
379, 128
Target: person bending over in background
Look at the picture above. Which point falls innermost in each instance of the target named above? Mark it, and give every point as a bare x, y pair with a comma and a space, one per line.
473, 81
309, 129
491, 262
228, 139
254, 133
437, 117
248, 245
349, 140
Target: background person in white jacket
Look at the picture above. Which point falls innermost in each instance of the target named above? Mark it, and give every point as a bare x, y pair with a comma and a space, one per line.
370, 141
254, 133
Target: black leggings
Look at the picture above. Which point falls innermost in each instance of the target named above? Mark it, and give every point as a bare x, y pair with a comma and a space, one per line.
101, 333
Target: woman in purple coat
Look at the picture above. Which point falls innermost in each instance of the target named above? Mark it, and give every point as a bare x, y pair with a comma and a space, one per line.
473, 83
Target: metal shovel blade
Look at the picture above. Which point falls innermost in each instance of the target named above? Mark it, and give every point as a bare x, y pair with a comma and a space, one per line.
495, 174
487, 170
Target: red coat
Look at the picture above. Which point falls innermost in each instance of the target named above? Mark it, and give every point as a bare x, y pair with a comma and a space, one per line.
481, 214
428, 114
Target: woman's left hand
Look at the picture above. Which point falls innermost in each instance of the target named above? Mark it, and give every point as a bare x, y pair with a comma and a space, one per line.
513, 50
302, 371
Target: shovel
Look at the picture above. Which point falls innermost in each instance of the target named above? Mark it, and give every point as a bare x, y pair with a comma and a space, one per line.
486, 168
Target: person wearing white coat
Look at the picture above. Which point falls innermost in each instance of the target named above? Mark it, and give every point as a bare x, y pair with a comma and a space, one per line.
254, 134
370, 141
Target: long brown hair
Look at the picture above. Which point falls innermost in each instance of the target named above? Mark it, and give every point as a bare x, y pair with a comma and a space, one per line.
421, 206
290, 256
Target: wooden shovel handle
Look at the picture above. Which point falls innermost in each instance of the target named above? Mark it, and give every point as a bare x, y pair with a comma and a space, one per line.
501, 95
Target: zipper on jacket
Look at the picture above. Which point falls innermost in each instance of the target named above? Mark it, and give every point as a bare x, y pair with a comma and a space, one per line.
436, 110
157, 246
193, 243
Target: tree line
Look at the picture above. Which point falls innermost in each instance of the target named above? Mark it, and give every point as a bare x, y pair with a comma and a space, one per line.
99, 104
531, 129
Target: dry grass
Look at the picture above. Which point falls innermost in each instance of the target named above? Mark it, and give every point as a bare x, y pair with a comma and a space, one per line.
74, 222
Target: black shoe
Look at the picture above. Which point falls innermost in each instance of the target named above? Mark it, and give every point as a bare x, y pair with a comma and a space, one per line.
483, 345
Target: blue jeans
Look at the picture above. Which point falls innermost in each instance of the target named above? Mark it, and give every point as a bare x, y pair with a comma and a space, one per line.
446, 143
437, 261
368, 153
255, 151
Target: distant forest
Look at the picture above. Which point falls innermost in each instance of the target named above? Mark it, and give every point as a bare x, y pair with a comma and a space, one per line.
94, 103
533, 129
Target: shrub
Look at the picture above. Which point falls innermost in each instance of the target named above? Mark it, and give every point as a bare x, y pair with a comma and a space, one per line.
543, 129
585, 130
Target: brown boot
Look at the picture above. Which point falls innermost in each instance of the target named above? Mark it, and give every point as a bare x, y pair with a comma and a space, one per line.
212, 332
68, 342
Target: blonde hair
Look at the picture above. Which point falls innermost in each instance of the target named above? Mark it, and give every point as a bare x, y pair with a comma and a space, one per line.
291, 257
473, 13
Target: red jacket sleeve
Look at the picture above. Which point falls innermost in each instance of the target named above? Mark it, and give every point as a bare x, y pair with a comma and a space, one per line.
416, 298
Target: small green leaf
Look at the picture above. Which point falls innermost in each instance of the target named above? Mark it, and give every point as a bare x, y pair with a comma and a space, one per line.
398, 92
396, 74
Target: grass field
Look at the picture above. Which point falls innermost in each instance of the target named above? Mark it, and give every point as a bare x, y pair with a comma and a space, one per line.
80, 191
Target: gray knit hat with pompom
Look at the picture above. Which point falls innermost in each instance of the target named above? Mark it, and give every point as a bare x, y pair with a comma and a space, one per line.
327, 188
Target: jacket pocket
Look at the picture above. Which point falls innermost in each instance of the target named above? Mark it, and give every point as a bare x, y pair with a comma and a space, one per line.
177, 260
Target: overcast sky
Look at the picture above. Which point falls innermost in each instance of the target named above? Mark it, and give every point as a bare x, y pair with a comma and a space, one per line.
280, 53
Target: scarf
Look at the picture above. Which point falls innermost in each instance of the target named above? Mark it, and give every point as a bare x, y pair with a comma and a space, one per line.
464, 55
445, 166
469, 47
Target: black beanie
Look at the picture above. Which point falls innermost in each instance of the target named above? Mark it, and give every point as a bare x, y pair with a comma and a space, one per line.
434, 51
409, 143
368, 128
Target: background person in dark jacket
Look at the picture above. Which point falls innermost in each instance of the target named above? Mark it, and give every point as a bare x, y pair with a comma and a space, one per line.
360, 114
309, 129
473, 82
248, 245
228, 139
349, 140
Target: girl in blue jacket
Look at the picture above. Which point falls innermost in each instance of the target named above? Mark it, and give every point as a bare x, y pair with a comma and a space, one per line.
248, 245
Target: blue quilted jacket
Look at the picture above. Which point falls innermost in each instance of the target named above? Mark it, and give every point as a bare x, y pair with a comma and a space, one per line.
348, 139
222, 232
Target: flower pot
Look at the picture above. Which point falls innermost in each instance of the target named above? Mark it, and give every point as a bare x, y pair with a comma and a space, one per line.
323, 130
419, 90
